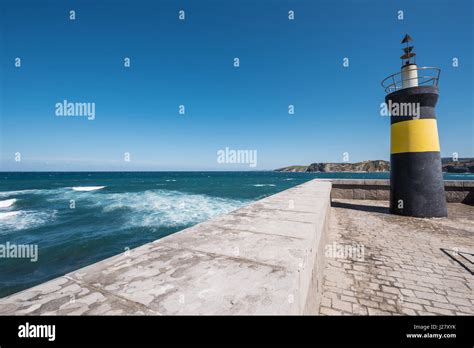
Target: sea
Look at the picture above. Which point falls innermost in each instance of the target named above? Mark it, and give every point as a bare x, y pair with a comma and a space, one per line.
78, 218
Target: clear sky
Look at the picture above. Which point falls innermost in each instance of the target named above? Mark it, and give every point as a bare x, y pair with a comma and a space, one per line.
173, 62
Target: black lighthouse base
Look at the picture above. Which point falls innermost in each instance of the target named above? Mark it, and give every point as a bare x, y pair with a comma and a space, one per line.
416, 185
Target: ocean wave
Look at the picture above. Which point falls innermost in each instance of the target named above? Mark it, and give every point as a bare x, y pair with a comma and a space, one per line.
4, 194
24, 219
462, 175
8, 215
87, 188
163, 208
262, 185
7, 203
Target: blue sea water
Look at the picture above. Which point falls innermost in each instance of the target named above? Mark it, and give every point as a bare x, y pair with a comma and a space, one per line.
80, 218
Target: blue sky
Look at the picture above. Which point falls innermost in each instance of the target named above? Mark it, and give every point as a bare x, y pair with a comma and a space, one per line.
190, 62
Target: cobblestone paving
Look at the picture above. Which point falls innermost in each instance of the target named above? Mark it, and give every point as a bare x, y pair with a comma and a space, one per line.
403, 271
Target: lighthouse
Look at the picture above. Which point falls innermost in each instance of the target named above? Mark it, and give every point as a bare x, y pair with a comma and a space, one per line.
416, 180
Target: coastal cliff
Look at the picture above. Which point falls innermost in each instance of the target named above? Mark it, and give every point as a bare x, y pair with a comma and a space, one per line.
366, 166
463, 165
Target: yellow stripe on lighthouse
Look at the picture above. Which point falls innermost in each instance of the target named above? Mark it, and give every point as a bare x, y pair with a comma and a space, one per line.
414, 136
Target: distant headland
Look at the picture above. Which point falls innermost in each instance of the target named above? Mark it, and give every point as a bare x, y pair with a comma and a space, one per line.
462, 165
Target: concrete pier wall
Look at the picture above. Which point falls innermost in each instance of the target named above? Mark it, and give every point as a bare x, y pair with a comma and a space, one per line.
457, 191
266, 258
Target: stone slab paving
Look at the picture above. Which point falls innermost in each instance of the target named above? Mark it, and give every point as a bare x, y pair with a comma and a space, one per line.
403, 271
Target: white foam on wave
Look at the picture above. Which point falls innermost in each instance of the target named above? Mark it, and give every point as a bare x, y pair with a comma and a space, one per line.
24, 219
17, 192
262, 185
8, 215
7, 203
87, 188
163, 208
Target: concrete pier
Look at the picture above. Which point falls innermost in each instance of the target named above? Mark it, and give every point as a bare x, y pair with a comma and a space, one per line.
456, 191
405, 269
270, 257
266, 258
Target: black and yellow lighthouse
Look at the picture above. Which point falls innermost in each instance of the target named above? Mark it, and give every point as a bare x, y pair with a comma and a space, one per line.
416, 180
